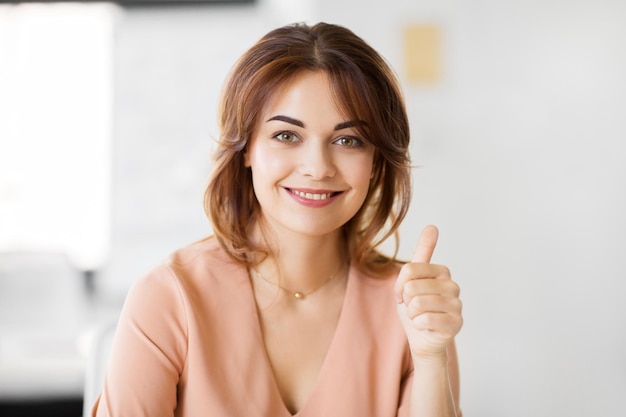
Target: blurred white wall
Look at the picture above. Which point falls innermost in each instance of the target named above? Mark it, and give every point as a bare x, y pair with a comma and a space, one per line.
55, 175
520, 147
55, 129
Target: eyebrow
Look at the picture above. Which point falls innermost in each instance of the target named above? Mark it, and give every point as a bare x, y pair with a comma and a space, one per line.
287, 119
299, 123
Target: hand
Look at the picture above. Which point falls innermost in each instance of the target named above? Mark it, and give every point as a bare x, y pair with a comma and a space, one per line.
428, 301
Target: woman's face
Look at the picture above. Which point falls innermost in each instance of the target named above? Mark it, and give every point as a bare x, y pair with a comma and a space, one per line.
310, 167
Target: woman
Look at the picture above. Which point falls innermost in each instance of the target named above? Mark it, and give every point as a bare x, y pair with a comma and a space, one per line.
289, 308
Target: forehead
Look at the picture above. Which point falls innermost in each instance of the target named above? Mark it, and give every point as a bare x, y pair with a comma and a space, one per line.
305, 93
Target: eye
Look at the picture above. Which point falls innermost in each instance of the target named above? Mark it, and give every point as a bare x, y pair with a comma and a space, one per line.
349, 142
286, 137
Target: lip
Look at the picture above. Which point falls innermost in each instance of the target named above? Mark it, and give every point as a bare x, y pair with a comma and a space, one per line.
313, 198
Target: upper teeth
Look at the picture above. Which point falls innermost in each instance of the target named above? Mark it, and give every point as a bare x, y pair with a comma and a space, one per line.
311, 196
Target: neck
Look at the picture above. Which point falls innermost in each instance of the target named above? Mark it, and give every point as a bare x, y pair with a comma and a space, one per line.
303, 263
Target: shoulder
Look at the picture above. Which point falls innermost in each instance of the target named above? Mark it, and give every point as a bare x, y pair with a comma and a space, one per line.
183, 270
202, 259
378, 281
204, 250
199, 274
375, 293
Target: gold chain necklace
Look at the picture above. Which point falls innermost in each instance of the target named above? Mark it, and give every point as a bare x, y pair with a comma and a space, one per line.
299, 295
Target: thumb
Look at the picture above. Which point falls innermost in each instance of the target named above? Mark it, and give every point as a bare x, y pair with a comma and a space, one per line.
426, 244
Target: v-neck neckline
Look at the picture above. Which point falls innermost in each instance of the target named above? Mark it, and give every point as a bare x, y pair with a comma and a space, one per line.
325, 363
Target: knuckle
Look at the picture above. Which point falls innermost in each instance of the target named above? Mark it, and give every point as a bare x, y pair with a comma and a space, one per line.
408, 268
442, 271
415, 307
411, 289
445, 271
455, 289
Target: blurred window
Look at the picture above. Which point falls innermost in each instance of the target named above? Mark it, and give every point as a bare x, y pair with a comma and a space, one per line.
55, 129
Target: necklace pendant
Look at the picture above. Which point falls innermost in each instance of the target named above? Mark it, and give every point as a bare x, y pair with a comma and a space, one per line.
298, 295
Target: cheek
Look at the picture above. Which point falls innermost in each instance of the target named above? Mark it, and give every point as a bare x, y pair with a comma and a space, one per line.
360, 172
267, 164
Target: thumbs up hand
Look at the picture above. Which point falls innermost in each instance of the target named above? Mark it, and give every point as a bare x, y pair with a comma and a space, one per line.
428, 301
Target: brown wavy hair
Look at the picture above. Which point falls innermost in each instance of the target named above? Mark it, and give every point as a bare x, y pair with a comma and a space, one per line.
365, 88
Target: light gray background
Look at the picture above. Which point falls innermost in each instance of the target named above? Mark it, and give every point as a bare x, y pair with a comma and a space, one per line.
520, 147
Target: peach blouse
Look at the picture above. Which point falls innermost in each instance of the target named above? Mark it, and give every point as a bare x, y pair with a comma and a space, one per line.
189, 344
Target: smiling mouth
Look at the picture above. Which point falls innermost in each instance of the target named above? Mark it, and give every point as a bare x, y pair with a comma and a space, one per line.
313, 196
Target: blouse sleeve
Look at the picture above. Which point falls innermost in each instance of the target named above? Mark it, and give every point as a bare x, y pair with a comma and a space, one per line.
148, 352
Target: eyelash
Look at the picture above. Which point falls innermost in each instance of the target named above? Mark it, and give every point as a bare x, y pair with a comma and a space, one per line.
357, 143
278, 136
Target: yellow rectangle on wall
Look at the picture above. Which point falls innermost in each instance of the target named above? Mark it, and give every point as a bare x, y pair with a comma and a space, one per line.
422, 53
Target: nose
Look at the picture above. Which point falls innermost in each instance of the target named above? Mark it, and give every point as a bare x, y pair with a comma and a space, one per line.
316, 161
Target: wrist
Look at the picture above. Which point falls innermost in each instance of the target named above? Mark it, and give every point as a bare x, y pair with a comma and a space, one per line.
430, 360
